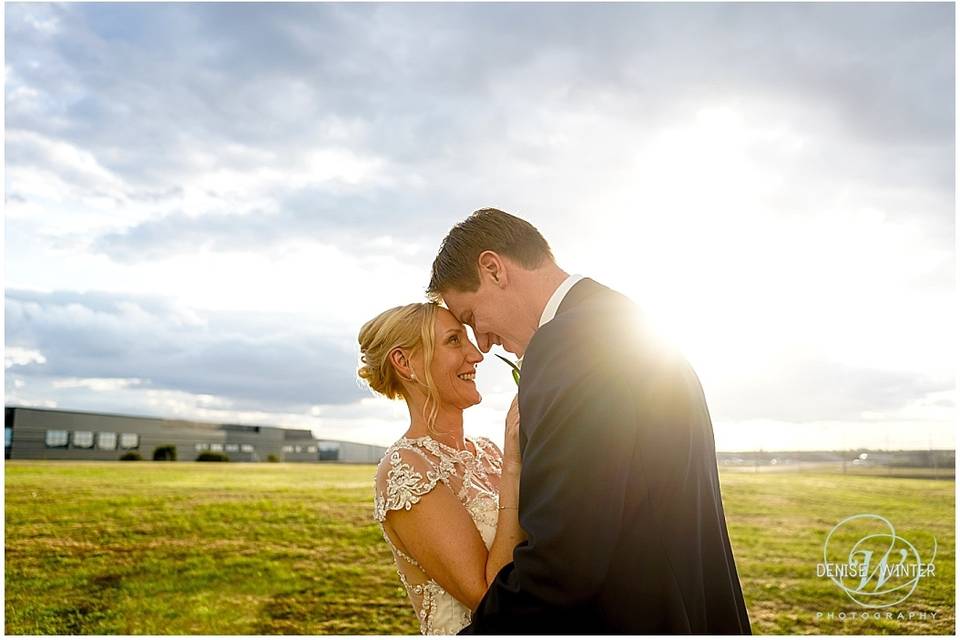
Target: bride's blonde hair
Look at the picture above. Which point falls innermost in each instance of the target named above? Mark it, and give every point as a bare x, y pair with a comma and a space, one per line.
410, 327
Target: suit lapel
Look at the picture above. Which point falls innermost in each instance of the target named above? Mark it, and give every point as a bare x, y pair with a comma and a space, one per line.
583, 289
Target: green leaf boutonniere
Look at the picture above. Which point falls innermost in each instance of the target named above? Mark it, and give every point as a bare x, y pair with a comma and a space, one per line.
513, 365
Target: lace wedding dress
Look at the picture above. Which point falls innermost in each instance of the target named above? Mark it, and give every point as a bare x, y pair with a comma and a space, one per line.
411, 468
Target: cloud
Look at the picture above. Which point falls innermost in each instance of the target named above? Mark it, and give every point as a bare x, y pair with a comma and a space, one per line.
15, 356
96, 340
367, 223
339, 119
791, 162
96, 384
802, 390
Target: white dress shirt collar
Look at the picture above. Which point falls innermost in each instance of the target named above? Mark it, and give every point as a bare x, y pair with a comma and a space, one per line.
554, 302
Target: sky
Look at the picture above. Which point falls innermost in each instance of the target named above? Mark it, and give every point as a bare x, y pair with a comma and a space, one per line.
204, 202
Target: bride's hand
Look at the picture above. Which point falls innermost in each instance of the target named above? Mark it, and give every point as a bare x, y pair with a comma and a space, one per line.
511, 438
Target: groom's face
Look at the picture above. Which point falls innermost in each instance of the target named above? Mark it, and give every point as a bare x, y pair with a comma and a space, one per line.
487, 312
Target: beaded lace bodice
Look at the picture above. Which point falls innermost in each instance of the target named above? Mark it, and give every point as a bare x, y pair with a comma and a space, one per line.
411, 468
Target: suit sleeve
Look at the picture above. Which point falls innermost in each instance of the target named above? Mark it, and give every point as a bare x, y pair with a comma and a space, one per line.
579, 419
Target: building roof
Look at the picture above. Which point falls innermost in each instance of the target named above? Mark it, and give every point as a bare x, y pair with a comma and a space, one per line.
288, 433
213, 426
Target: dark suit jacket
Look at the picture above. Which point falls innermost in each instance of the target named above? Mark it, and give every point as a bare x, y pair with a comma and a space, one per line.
619, 492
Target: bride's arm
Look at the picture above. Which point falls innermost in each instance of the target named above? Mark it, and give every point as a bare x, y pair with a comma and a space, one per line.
441, 536
509, 532
439, 533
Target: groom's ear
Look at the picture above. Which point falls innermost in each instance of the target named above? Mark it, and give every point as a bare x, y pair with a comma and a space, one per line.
492, 267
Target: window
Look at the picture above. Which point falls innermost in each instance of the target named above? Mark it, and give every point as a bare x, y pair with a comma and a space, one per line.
7, 436
298, 448
287, 448
107, 440
201, 446
233, 447
216, 446
56, 438
311, 449
83, 439
129, 440
246, 448
328, 451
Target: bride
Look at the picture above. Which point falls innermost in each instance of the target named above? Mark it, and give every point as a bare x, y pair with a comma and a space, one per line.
446, 503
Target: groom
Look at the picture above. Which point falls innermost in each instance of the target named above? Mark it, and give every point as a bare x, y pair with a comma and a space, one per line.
619, 493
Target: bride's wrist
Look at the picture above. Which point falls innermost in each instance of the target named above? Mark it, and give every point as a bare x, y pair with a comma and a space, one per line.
510, 467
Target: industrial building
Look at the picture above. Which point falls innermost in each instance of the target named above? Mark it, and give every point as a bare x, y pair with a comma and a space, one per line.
52, 434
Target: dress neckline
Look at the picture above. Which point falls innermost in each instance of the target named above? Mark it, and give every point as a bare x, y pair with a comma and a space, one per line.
473, 454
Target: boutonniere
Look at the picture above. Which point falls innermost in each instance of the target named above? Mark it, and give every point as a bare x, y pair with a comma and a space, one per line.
514, 366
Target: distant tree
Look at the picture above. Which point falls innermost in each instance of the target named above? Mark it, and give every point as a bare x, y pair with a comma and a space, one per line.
272, 458
131, 455
165, 452
213, 456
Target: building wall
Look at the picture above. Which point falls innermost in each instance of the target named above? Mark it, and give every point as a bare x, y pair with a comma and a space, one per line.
288, 445
356, 452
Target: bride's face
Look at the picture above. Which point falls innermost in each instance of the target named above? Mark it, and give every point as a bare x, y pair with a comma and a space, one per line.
454, 356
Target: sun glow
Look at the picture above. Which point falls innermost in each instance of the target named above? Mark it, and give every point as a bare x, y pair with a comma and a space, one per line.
742, 279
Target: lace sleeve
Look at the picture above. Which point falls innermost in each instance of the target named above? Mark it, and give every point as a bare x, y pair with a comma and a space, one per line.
403, 477
490, 447
491, 453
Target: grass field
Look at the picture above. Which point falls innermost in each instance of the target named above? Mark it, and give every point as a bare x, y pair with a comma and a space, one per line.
194, 548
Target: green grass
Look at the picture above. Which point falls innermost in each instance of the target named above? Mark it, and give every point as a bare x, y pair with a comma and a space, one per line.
778, 523
194, 548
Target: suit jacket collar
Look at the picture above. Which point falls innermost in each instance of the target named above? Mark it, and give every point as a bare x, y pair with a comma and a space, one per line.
585, 288
553, 304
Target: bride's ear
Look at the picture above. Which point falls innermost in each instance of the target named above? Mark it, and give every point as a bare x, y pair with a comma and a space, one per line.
492, 267
402, 365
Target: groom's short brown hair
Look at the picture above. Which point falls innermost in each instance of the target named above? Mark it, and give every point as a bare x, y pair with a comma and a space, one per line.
455, 267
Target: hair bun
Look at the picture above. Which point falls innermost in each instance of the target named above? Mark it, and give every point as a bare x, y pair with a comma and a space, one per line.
400, 327
372, 377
